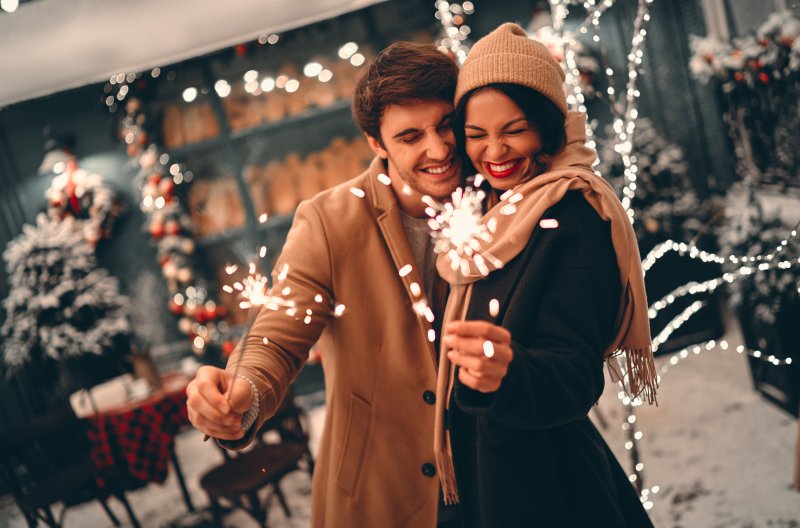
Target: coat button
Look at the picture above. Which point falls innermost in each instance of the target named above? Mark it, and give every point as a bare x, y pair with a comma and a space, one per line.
429, 397
428, 470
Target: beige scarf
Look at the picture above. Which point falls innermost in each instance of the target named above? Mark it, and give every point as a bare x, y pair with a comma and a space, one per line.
570, 170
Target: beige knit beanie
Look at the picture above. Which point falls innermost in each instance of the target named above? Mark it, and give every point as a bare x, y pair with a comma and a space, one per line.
507, 55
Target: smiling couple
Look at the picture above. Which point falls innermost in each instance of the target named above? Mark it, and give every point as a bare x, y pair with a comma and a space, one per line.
422, 429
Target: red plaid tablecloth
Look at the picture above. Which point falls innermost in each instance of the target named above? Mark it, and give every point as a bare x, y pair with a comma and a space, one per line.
134, 442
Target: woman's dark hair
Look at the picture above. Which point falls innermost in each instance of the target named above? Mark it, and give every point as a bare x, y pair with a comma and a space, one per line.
542, 114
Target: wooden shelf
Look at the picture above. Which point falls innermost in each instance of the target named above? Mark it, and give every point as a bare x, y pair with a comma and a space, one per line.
303, 118
273, 223
221, 236
339, 107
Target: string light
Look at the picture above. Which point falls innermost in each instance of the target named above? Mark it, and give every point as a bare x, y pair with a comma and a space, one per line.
625, 114
694, 252
9, 6
455, 31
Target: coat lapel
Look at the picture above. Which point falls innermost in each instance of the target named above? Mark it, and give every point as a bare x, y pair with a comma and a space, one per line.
394, 233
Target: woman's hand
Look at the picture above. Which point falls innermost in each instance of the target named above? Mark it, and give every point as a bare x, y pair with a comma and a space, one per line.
482, 350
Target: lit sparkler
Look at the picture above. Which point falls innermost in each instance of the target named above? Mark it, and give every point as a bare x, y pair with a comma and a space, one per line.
457, 230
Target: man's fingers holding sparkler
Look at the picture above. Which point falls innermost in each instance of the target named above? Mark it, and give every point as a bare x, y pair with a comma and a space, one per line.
211, 410
482, 350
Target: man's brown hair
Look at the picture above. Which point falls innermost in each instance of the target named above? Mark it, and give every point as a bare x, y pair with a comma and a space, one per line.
401, 74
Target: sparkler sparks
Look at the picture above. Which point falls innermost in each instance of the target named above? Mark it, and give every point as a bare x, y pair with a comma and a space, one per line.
494, 307
488, 349
457, 230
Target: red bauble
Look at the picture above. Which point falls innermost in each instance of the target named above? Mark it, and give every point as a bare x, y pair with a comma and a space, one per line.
227, 348
763, 77
166, 187
240, 50
133, 150
175, 308
172, 227
154, 179
211, 313
157, 230
200, 316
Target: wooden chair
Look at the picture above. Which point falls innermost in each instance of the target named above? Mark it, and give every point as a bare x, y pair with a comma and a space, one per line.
238, 480
47, 461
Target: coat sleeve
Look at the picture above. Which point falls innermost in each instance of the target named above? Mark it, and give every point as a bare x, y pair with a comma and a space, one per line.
279, 341
556, 373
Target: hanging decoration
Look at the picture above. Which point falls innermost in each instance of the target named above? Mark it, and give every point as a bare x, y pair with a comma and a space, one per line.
83, 195
758, 76
170, 227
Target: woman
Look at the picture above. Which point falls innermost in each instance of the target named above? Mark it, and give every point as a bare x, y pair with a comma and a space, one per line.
515, 446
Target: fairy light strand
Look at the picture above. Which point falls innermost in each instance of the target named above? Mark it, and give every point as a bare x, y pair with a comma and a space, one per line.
694, 252
455, 31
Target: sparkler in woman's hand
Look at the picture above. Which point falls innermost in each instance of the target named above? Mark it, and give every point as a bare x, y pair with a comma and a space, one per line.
457, 230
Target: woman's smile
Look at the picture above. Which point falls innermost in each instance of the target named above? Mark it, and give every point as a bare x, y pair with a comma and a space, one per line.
504, 169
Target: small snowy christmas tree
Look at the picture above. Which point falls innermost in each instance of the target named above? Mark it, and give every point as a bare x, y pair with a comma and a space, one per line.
61, 308
749, 231
664, 199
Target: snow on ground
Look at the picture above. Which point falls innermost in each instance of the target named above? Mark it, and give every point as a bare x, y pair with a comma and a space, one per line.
722, 456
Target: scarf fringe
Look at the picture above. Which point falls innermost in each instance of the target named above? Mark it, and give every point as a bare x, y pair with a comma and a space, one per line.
640, 374
444, 465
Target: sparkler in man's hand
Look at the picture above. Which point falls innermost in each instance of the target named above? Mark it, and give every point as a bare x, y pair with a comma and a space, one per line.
254, 292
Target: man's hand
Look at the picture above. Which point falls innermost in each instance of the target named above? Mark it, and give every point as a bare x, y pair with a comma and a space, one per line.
210, 410
482, 350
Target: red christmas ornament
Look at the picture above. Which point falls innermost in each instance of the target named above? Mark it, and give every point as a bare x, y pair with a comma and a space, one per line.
211, 313
133, 150
157, 230
175, 308
172, 227
166, 187
154, 179
763, 77
200, 316
227, 348
240, 50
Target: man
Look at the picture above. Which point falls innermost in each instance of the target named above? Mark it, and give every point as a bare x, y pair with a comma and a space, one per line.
364, 245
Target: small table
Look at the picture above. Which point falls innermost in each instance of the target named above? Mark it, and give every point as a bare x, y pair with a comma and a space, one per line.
135, 441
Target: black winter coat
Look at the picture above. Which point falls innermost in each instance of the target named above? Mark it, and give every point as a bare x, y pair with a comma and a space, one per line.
528, 455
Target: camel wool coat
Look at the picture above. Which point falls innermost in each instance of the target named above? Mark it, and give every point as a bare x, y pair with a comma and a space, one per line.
375, 465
